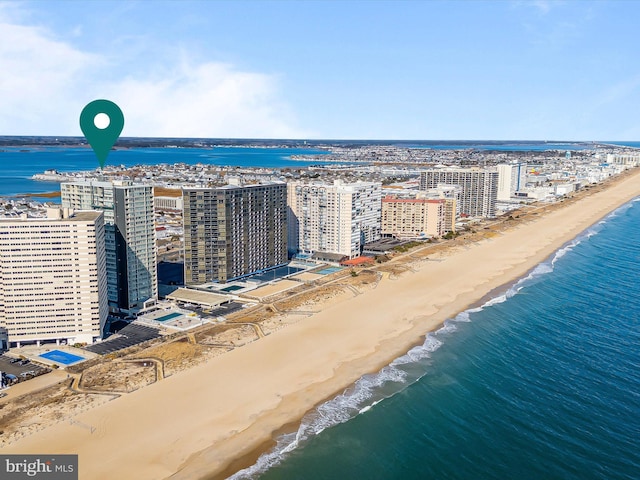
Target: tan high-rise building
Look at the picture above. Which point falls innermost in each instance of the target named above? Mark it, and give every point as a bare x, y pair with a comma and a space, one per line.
414, 218
53, 280
233, 231
479, 188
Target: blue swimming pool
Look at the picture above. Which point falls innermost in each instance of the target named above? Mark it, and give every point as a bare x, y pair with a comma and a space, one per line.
169, 316
276, 273
64, 358
329, 270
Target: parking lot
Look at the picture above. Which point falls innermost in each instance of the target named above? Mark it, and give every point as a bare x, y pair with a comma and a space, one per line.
128, 336
22, 370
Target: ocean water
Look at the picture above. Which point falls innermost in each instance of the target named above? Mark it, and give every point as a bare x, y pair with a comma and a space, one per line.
17, 165
626, 144
542, 382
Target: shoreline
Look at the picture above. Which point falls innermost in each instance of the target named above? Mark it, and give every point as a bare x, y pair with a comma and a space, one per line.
206, 420
52, 194
249, 459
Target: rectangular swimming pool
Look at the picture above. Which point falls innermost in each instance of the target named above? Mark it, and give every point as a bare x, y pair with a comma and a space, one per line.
59, 356
232, 288
169, 316
329, 270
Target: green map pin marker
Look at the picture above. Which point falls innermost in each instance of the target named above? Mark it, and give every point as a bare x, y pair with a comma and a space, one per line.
101, 121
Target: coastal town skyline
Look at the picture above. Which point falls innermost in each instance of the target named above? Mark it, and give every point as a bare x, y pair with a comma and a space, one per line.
393, 234
438, 242
368, 70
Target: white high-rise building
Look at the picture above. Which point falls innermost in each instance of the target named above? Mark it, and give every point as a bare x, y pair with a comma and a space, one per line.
53, 279
627, 160
479, 188
130, 237
511, 178
338, 218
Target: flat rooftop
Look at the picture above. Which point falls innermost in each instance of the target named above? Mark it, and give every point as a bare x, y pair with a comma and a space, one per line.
77, 216
198, 297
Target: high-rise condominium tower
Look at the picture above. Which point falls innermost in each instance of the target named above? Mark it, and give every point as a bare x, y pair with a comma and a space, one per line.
53, 279
338, 218
479, 188
410, 218
233, 231
511, 178
130, 237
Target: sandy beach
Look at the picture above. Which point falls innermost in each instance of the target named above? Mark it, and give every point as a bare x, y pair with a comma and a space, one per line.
198, 423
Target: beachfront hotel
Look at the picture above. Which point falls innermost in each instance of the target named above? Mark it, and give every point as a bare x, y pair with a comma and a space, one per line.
417, 218
479, 188
511, 178
130, 237
233, 231
336, 218
53, 279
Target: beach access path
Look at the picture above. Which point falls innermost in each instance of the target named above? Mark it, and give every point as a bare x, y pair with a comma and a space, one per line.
207, 419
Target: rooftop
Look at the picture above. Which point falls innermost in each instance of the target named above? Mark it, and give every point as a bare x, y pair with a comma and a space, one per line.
198, 297
77, 216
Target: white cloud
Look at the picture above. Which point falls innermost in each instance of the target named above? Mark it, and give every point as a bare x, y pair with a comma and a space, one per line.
38, 78
204, 100
45, 82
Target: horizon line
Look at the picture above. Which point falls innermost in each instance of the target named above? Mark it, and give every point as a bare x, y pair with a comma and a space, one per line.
82, 138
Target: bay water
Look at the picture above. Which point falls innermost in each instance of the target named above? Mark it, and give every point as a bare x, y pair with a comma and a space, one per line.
19, 164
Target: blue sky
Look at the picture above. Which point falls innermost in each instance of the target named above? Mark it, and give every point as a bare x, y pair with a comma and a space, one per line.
545, 70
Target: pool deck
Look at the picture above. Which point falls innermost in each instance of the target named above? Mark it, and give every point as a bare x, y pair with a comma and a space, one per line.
184, 319
277, 287
169, 316
308, 276
328, 270
33, 352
